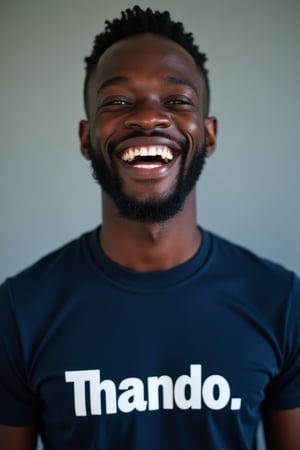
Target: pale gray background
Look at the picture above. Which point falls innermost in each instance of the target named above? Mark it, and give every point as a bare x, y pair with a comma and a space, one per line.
249, 191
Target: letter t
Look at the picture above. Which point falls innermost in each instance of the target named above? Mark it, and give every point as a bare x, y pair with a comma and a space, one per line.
79, 378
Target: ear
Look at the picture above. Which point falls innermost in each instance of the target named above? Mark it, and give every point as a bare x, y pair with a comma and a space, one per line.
84, 133
211, 129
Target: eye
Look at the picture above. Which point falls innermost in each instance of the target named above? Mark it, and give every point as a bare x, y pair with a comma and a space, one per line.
179, 102
115, 102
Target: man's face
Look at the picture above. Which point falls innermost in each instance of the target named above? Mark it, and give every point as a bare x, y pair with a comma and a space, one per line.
147, 133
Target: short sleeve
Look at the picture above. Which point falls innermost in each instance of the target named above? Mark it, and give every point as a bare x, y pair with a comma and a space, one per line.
284, 391
19, 406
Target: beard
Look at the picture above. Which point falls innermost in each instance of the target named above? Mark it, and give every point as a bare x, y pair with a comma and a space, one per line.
156, 210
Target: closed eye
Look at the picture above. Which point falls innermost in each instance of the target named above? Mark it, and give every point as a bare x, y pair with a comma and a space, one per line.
178, 101
115, 102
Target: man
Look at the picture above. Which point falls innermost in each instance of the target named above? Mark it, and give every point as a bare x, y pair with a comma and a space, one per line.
149, 332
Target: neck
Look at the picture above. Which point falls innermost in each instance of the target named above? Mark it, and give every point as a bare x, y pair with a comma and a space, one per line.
150, 246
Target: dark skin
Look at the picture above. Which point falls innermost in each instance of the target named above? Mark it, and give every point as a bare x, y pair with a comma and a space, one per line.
151, 95
18, 438
144, 96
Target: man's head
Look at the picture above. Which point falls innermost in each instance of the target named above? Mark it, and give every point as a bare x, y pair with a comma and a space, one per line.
135, 21
147, 133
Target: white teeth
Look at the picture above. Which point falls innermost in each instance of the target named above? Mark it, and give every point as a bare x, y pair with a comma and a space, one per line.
162, 151
130, 155
152, 151
146, 166
144, 151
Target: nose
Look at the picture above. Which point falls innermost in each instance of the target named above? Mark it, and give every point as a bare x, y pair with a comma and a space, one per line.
147, 116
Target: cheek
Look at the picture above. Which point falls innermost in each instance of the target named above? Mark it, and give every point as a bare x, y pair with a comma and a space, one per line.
101, 132
194, 130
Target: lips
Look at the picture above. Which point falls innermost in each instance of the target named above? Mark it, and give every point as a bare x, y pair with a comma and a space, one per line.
148, 153
147, 160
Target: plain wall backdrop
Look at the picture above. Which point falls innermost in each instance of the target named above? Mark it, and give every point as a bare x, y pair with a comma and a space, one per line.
249, 191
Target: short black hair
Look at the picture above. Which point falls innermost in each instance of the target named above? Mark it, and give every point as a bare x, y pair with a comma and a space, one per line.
136, 20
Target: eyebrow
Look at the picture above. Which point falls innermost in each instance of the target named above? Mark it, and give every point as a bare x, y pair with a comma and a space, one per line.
168, 80
112, 82
180, 81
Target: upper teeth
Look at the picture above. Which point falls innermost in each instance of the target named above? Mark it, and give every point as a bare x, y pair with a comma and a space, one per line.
162, 151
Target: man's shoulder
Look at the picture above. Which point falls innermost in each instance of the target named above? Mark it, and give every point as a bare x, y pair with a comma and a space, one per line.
59, 263
233, 258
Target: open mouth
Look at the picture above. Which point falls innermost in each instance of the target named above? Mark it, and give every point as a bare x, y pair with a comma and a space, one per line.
147, 155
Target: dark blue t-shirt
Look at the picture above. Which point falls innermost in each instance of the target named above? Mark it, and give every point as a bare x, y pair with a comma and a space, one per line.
104, 358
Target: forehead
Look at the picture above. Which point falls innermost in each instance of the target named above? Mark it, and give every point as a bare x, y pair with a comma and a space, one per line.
146, 56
